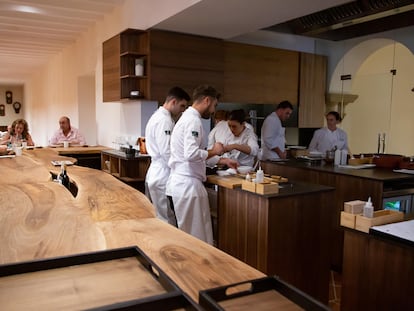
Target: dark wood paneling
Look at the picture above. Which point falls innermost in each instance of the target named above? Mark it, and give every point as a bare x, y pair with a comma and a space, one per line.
111, 69
184, 60
347, 188
255, 74
377, 274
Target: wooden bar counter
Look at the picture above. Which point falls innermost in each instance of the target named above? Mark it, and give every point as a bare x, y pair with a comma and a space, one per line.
41, 219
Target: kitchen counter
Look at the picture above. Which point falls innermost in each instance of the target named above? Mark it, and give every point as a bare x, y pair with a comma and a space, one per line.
378, 271
379, 174
285, 233
39, 219
349, 184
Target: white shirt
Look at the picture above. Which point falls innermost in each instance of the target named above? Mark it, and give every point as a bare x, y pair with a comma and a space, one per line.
273, 135
246, 137
157, 136
220, 133
188, 154
325, 140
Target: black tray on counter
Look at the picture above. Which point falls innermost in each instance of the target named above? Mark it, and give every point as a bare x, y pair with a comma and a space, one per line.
248, 296
171, 298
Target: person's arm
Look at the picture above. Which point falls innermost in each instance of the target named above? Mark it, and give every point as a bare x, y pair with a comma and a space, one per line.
217, 150
54, 140
280, 153
5, 139
29, 140
243, 148
313, 146
80, 138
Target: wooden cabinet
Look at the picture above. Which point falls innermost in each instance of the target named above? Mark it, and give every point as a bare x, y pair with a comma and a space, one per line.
117, 164
312, 89
286, 234
261, 75
121, 53
184, 60
243, 73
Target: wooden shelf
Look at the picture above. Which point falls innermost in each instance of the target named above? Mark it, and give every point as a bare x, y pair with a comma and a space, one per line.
119, 56
128, 170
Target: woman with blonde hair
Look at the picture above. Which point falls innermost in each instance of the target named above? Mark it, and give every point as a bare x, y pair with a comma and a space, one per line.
18, 133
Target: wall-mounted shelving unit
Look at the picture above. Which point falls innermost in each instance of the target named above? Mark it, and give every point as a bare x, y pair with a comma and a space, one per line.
121, 80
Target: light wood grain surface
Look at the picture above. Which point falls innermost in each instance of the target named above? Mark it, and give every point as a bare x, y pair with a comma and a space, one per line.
39, 219
79, 287
192, 264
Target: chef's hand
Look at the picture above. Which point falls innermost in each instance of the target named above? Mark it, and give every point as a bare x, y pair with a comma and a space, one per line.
218, 149
229, 162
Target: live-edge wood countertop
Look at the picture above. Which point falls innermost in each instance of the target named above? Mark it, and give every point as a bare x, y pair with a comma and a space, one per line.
40, 219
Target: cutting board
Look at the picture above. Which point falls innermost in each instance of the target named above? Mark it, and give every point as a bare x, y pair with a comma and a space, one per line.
230, 182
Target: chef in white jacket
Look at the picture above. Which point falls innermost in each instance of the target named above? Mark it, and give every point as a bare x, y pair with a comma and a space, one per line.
273, 133
158, 133
188, 166
330, 137
239, 140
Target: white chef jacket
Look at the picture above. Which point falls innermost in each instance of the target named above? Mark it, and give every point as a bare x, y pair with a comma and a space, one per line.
325, 140
158, 134
273, 135
188, 171
226, 137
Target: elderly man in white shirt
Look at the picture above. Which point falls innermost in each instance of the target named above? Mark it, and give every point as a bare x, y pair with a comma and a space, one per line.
67, 132
158, 134
330, 137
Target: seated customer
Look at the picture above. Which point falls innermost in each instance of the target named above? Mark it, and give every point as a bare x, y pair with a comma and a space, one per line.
239, 140
330, 137
19, 132
66, 132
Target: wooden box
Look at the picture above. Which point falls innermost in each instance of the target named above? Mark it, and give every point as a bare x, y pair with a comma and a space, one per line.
380, 218
359, 161
354, 207
348, 220
269, 293
261, 188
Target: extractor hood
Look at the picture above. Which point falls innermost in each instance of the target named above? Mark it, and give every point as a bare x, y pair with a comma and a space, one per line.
352, 19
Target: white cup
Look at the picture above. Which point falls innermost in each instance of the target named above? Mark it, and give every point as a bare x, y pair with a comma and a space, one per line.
65, 144
24, 144
18, 151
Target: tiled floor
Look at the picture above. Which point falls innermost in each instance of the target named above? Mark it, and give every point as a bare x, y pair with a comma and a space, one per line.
335, 286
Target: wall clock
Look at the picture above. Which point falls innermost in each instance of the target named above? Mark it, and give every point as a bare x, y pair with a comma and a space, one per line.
9, 97
17, 106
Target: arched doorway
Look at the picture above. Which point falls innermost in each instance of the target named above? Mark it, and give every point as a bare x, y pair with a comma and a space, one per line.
385, 103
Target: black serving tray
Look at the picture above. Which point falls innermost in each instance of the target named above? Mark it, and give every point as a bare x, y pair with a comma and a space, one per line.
209, 299
173, 299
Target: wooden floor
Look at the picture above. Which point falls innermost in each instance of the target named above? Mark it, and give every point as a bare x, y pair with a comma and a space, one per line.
335, 286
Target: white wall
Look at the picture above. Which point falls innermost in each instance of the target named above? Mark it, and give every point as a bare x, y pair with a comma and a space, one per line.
54, 90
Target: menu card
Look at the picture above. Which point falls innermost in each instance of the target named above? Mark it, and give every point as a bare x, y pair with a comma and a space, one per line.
402, 230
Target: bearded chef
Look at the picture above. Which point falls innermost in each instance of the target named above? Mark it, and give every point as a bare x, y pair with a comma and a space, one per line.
188, 166
158, 133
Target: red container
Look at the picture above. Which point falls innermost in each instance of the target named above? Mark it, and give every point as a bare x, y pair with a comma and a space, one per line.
391, 161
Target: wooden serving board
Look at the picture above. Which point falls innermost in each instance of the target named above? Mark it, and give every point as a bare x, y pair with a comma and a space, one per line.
230, 182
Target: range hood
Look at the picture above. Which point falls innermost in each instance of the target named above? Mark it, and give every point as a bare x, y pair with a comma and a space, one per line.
352, 19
